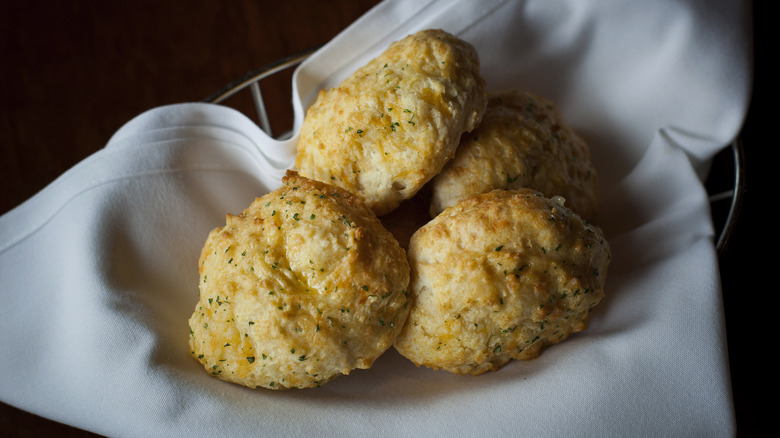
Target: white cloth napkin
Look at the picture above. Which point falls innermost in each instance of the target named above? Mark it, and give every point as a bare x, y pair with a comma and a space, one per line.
98, 272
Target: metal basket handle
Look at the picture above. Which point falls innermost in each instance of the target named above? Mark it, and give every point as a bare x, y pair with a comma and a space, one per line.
252, 80
736, 194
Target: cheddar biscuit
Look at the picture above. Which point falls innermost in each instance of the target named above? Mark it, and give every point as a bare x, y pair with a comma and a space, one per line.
301, 287
497, 277
523, 141
393, 124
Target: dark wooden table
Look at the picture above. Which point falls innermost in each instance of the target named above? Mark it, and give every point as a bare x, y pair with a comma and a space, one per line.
74, 72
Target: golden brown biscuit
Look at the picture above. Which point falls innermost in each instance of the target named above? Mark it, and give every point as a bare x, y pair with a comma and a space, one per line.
303, 286
391, 126
522, 141
497, 277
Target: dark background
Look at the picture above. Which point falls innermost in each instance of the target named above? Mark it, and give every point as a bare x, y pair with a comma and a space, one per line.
72, 73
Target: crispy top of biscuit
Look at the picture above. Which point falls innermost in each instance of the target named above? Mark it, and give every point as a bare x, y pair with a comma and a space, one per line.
393, 124
301, 287
523, 141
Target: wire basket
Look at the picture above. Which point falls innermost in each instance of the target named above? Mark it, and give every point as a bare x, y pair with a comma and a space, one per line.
728, 165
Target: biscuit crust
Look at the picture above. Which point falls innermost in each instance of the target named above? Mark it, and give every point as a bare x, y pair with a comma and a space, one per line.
523, 141
390, 127
301, 287
498, 277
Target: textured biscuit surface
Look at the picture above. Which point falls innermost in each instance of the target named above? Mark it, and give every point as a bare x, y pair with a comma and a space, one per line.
522, 141
393, 124
497, 277
303, 286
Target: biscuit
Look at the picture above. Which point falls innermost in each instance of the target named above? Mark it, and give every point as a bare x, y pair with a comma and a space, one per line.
303, 286
498, 277
522, 141
393, 124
